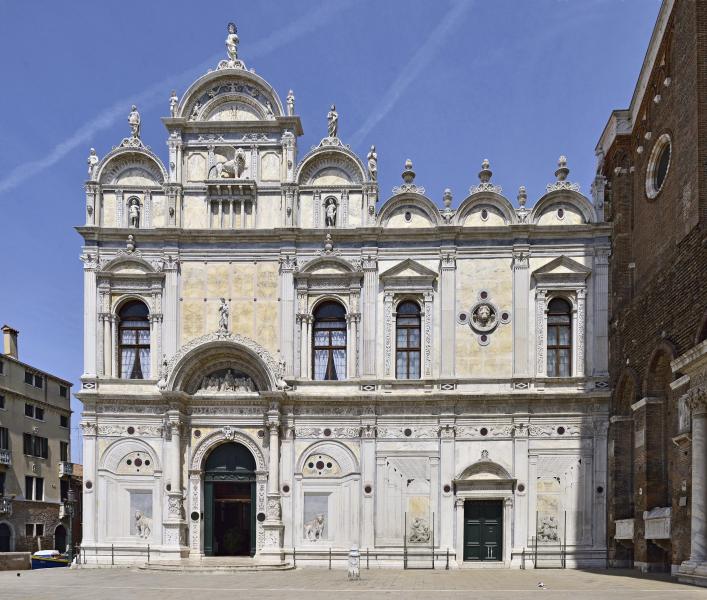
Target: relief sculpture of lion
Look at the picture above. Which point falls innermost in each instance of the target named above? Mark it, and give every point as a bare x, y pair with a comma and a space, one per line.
314, 529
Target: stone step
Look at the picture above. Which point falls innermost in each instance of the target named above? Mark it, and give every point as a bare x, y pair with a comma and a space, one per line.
214, 566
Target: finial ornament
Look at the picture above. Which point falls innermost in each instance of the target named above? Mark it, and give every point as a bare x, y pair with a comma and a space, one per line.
561, 174
290, 103
173, 101
408, 176
328, 244
92, 161
447, 199
130, 244
485, 184
521, 211
372, 164
134, 121
332, 122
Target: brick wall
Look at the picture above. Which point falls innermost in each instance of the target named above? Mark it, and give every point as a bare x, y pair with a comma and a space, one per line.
658, 288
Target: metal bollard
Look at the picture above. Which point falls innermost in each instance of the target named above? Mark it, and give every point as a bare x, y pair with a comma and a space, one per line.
148, 554
112, 555
330, 558
368, 554
446, 567
294, 557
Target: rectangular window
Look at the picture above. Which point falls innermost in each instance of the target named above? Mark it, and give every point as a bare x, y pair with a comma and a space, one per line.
29, 487
63, 391
35, 445
2, 368
36, 412
35, 380
64, 421
38, 381
2, 402
64, 451
2, 484
29, 377
29, 529
64, 488
4, 438
39, 529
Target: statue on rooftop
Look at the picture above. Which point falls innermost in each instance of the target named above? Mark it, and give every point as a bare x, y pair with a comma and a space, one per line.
332, 122
232, 42
134, 122
373, 164
290, 103
92, 162
173, 100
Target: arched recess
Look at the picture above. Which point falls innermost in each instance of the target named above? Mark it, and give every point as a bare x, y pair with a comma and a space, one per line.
131, 167
484, 470
409, 202
7, 537
211, 441
660, 425
622, 447
60, 538
341, 453
500, 210
228, 82
570, 201
330, 156
203, 355
113, 456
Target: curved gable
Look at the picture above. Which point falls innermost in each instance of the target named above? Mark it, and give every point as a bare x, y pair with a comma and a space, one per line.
330, 165
563, 207
485, 209
131, 168
409, 211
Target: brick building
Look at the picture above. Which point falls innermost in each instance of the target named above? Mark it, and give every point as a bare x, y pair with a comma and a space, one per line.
652, 170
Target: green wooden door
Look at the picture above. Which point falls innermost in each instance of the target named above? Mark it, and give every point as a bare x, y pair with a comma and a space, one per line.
208, 518
483, 530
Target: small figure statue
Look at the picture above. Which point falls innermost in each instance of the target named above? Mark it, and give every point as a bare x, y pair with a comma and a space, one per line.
290, 103
195, 111
328, 244
229, 382
173, 101
419, 531
330, 219
223, 318
269, 114
232, 43
134, 122
134, 213
332, 122
143, 525
92, 162
130, 245
314, 529
373, 164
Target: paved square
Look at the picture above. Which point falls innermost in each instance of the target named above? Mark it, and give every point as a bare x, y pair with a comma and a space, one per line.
315, 584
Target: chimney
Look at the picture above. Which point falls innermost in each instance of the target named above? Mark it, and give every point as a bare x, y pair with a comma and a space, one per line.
9, 336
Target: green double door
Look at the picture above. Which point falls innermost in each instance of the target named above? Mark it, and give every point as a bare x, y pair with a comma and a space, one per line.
483, 530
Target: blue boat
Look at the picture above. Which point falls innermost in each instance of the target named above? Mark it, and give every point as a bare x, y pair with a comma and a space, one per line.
49, 559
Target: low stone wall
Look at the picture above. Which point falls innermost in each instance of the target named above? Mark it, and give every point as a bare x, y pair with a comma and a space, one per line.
15, 561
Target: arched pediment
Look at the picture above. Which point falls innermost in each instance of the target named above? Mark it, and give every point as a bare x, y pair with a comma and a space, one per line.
563, 207
499, 211
231, 107
330, 164
226, 434
128, 264
113, 457
484, 470
201, 101
421, 212
206, 355
328, 265
131, 167
343, 456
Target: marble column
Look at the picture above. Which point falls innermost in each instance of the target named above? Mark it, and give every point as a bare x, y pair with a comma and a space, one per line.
521, 299
287, 308
697, 402
174, 522
368, 476
601, 429
90, 482
601, 311
446, 463
447, 313
370, 293
273, 526
90, 266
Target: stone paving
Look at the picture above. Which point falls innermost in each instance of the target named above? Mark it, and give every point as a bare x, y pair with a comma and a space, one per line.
315, 584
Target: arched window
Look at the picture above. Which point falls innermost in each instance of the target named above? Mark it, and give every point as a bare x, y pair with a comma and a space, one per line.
134, 338
407, 341
329, 343
559, 338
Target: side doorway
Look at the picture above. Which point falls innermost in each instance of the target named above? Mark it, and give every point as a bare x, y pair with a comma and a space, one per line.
483, 530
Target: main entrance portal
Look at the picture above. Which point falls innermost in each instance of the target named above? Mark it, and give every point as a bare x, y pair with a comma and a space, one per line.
483, 530
229, 501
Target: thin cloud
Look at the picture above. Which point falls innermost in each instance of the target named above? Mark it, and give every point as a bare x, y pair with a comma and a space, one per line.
419, 61
159, 92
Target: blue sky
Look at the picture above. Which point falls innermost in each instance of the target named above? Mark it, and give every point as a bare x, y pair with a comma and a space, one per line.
444, 83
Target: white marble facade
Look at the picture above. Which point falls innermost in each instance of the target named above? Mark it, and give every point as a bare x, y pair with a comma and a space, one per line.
232, 246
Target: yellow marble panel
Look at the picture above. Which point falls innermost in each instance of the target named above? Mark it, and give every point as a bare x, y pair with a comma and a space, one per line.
242, 280
217, 280
267, 324
108, 217
192, 319
243, 317
195, 214
158, 211
267, 275
193, 280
